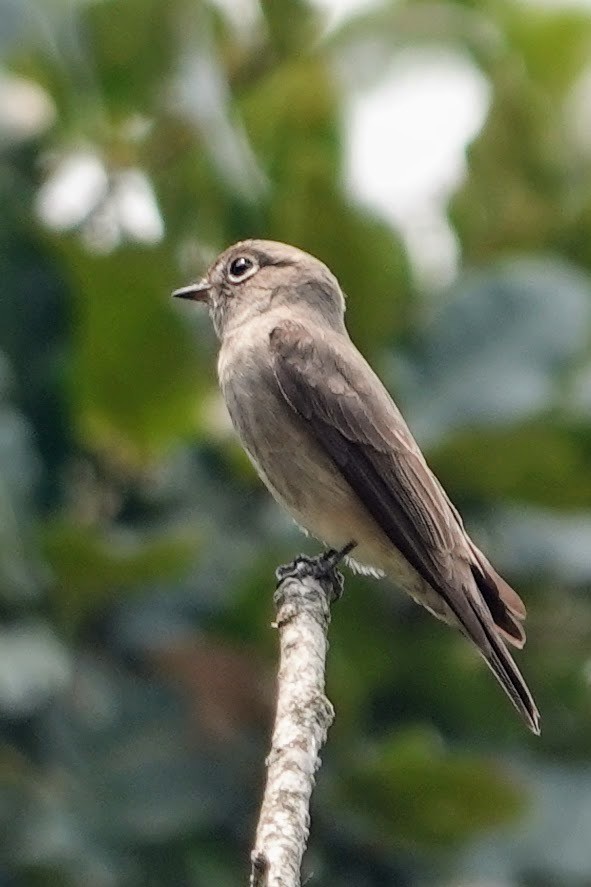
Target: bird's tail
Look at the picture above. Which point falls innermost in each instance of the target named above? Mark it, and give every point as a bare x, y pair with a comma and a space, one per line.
485, 635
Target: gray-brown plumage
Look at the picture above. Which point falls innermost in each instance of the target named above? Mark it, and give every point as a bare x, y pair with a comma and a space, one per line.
332, 447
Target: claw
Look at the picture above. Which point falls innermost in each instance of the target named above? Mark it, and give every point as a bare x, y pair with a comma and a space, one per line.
321, 567
334, 556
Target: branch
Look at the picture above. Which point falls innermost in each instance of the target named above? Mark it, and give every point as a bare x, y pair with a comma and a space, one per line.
305, 591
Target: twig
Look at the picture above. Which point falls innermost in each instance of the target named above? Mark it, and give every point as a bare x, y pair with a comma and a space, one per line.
305, 591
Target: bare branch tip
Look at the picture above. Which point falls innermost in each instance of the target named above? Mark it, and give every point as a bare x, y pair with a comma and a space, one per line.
305, 590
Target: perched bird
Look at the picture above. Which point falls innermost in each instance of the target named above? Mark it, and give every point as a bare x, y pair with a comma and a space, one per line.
330, 444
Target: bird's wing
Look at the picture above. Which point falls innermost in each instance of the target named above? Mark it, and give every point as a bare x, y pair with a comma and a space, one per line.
357, 424
355, 421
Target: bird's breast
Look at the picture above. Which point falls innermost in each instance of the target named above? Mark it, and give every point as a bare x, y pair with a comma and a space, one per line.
297, 471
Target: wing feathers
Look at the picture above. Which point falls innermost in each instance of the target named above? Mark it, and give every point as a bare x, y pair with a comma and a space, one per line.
355, 421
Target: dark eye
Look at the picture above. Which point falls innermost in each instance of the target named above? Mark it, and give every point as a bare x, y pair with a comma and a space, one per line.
240, 268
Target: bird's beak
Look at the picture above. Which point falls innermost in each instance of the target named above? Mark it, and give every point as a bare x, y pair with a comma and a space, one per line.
197, 292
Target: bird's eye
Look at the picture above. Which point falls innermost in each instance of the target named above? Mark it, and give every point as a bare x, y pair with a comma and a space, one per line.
241, 268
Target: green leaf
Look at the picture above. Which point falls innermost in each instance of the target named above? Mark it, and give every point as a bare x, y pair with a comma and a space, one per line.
291, 114
136, 379
554, 44
416, 793
92, 567
290, 25
130, 78
541, 463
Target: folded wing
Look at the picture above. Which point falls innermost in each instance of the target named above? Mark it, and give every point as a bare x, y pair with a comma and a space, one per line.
355, 421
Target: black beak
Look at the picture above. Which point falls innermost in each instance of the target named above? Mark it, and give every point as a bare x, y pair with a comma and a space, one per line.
197, 292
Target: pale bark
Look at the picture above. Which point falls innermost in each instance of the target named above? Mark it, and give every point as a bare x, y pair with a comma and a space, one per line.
303, 717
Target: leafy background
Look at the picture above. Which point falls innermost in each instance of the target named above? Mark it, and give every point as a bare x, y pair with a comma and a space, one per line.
137, 548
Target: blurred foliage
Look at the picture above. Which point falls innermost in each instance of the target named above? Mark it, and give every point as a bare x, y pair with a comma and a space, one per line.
147, 404
137, 548
411, 793
89, 567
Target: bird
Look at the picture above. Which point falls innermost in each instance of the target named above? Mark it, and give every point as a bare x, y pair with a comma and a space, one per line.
328, 441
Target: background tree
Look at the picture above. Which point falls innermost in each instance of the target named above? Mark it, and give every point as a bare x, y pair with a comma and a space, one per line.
137, 547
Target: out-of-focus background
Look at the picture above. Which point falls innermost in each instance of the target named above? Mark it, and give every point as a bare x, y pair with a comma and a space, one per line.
437, 156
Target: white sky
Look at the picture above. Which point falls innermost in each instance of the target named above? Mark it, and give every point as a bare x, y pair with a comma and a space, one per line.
405, 150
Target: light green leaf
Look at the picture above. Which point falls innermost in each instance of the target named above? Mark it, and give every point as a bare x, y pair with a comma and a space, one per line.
92, 567
137, 378
417, 793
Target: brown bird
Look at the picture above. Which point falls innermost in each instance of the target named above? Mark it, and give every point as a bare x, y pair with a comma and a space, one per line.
333, 449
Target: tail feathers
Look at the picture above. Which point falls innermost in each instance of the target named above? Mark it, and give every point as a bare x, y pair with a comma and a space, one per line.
500, 662
504, 604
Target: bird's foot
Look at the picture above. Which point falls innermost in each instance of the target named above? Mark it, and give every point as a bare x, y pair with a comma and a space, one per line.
323, 567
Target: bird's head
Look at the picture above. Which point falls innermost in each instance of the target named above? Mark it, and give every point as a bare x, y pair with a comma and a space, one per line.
256, 276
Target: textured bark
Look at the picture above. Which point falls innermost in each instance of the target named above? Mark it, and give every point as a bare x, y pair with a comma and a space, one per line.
303, 717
